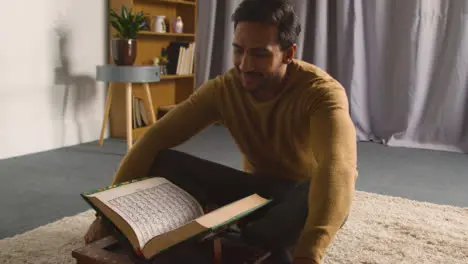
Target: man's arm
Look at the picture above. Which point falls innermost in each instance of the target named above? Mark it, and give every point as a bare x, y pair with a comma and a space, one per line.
177, 126
332, 185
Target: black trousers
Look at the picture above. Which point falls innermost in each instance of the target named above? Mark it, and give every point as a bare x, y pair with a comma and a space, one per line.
275, 227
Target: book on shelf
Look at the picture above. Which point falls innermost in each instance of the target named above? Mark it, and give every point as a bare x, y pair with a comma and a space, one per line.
140, 117
181, 56
154, 214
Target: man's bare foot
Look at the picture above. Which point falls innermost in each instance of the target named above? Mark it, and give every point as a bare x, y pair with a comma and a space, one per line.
96, 231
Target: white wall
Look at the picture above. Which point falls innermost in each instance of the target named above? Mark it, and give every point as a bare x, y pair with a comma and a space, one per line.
45, 104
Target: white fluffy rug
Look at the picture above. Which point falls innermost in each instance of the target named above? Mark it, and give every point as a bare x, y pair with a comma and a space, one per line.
381, 229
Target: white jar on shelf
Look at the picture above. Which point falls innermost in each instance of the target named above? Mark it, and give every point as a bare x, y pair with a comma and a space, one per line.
179, 25
160, 24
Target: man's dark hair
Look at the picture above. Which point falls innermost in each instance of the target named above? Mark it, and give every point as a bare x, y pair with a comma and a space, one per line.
277, 12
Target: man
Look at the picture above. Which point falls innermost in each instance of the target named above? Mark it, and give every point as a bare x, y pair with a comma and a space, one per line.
291, 122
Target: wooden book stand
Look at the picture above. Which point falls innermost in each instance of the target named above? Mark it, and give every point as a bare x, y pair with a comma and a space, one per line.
110, 251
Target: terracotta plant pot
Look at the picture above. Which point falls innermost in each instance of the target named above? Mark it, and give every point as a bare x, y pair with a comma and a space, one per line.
124, 51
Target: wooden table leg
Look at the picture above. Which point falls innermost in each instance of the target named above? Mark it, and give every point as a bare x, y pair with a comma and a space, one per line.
150, 102
106, 113
129, 120
217, 251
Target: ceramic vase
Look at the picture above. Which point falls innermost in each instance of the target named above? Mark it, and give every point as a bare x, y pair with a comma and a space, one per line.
124, 51
160, 24
178, 25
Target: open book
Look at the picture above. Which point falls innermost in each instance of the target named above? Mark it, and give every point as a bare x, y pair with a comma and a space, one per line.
154, 214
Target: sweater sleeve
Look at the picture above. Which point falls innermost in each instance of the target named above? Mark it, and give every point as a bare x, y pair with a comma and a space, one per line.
332, 185
177, 126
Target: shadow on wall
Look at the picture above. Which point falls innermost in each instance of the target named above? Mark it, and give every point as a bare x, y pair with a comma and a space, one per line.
73, 94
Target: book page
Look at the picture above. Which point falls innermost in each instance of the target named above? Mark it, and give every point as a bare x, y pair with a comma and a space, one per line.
152, 207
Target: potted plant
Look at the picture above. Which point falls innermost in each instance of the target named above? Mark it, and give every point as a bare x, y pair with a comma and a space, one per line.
163, 61
124, 44
163, 64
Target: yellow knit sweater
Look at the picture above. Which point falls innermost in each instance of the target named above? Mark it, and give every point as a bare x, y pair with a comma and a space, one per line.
305, 132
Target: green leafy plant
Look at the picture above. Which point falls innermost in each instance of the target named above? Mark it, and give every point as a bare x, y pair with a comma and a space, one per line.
163, 60
127, 24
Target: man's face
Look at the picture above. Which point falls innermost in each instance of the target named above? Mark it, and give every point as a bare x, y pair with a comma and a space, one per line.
257, 55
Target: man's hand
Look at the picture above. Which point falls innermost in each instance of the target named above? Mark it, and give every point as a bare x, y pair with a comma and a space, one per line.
96, 231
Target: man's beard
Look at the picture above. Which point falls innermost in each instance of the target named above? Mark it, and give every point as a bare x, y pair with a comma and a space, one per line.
265, 81
261, 85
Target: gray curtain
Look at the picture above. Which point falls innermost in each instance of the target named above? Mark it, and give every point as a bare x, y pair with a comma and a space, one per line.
404, 63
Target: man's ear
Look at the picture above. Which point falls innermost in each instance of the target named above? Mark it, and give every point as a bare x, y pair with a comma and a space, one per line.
289, 53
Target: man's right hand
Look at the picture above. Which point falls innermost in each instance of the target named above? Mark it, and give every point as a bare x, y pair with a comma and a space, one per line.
96, 231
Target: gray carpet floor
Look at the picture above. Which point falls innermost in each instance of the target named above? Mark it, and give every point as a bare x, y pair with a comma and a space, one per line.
40, 188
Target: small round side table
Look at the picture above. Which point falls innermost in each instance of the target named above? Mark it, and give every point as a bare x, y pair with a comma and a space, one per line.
128, 75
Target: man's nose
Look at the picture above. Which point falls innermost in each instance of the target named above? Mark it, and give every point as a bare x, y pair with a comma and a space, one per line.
246, 64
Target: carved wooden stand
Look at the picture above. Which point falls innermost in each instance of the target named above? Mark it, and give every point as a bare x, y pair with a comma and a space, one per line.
110, 251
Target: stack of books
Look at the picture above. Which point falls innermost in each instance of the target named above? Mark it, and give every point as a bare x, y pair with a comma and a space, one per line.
185, 62
181, 56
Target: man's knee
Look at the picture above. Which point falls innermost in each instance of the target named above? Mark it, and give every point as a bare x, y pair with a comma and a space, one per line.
166, 161
167, 156
272, 240
279, 227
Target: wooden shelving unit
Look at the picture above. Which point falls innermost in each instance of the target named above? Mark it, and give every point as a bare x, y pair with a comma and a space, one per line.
177, 2
149, 33
172, 77
172, 89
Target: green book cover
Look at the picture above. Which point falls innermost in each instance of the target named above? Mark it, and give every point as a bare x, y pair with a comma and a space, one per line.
114, 186
206, 224
109, 224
